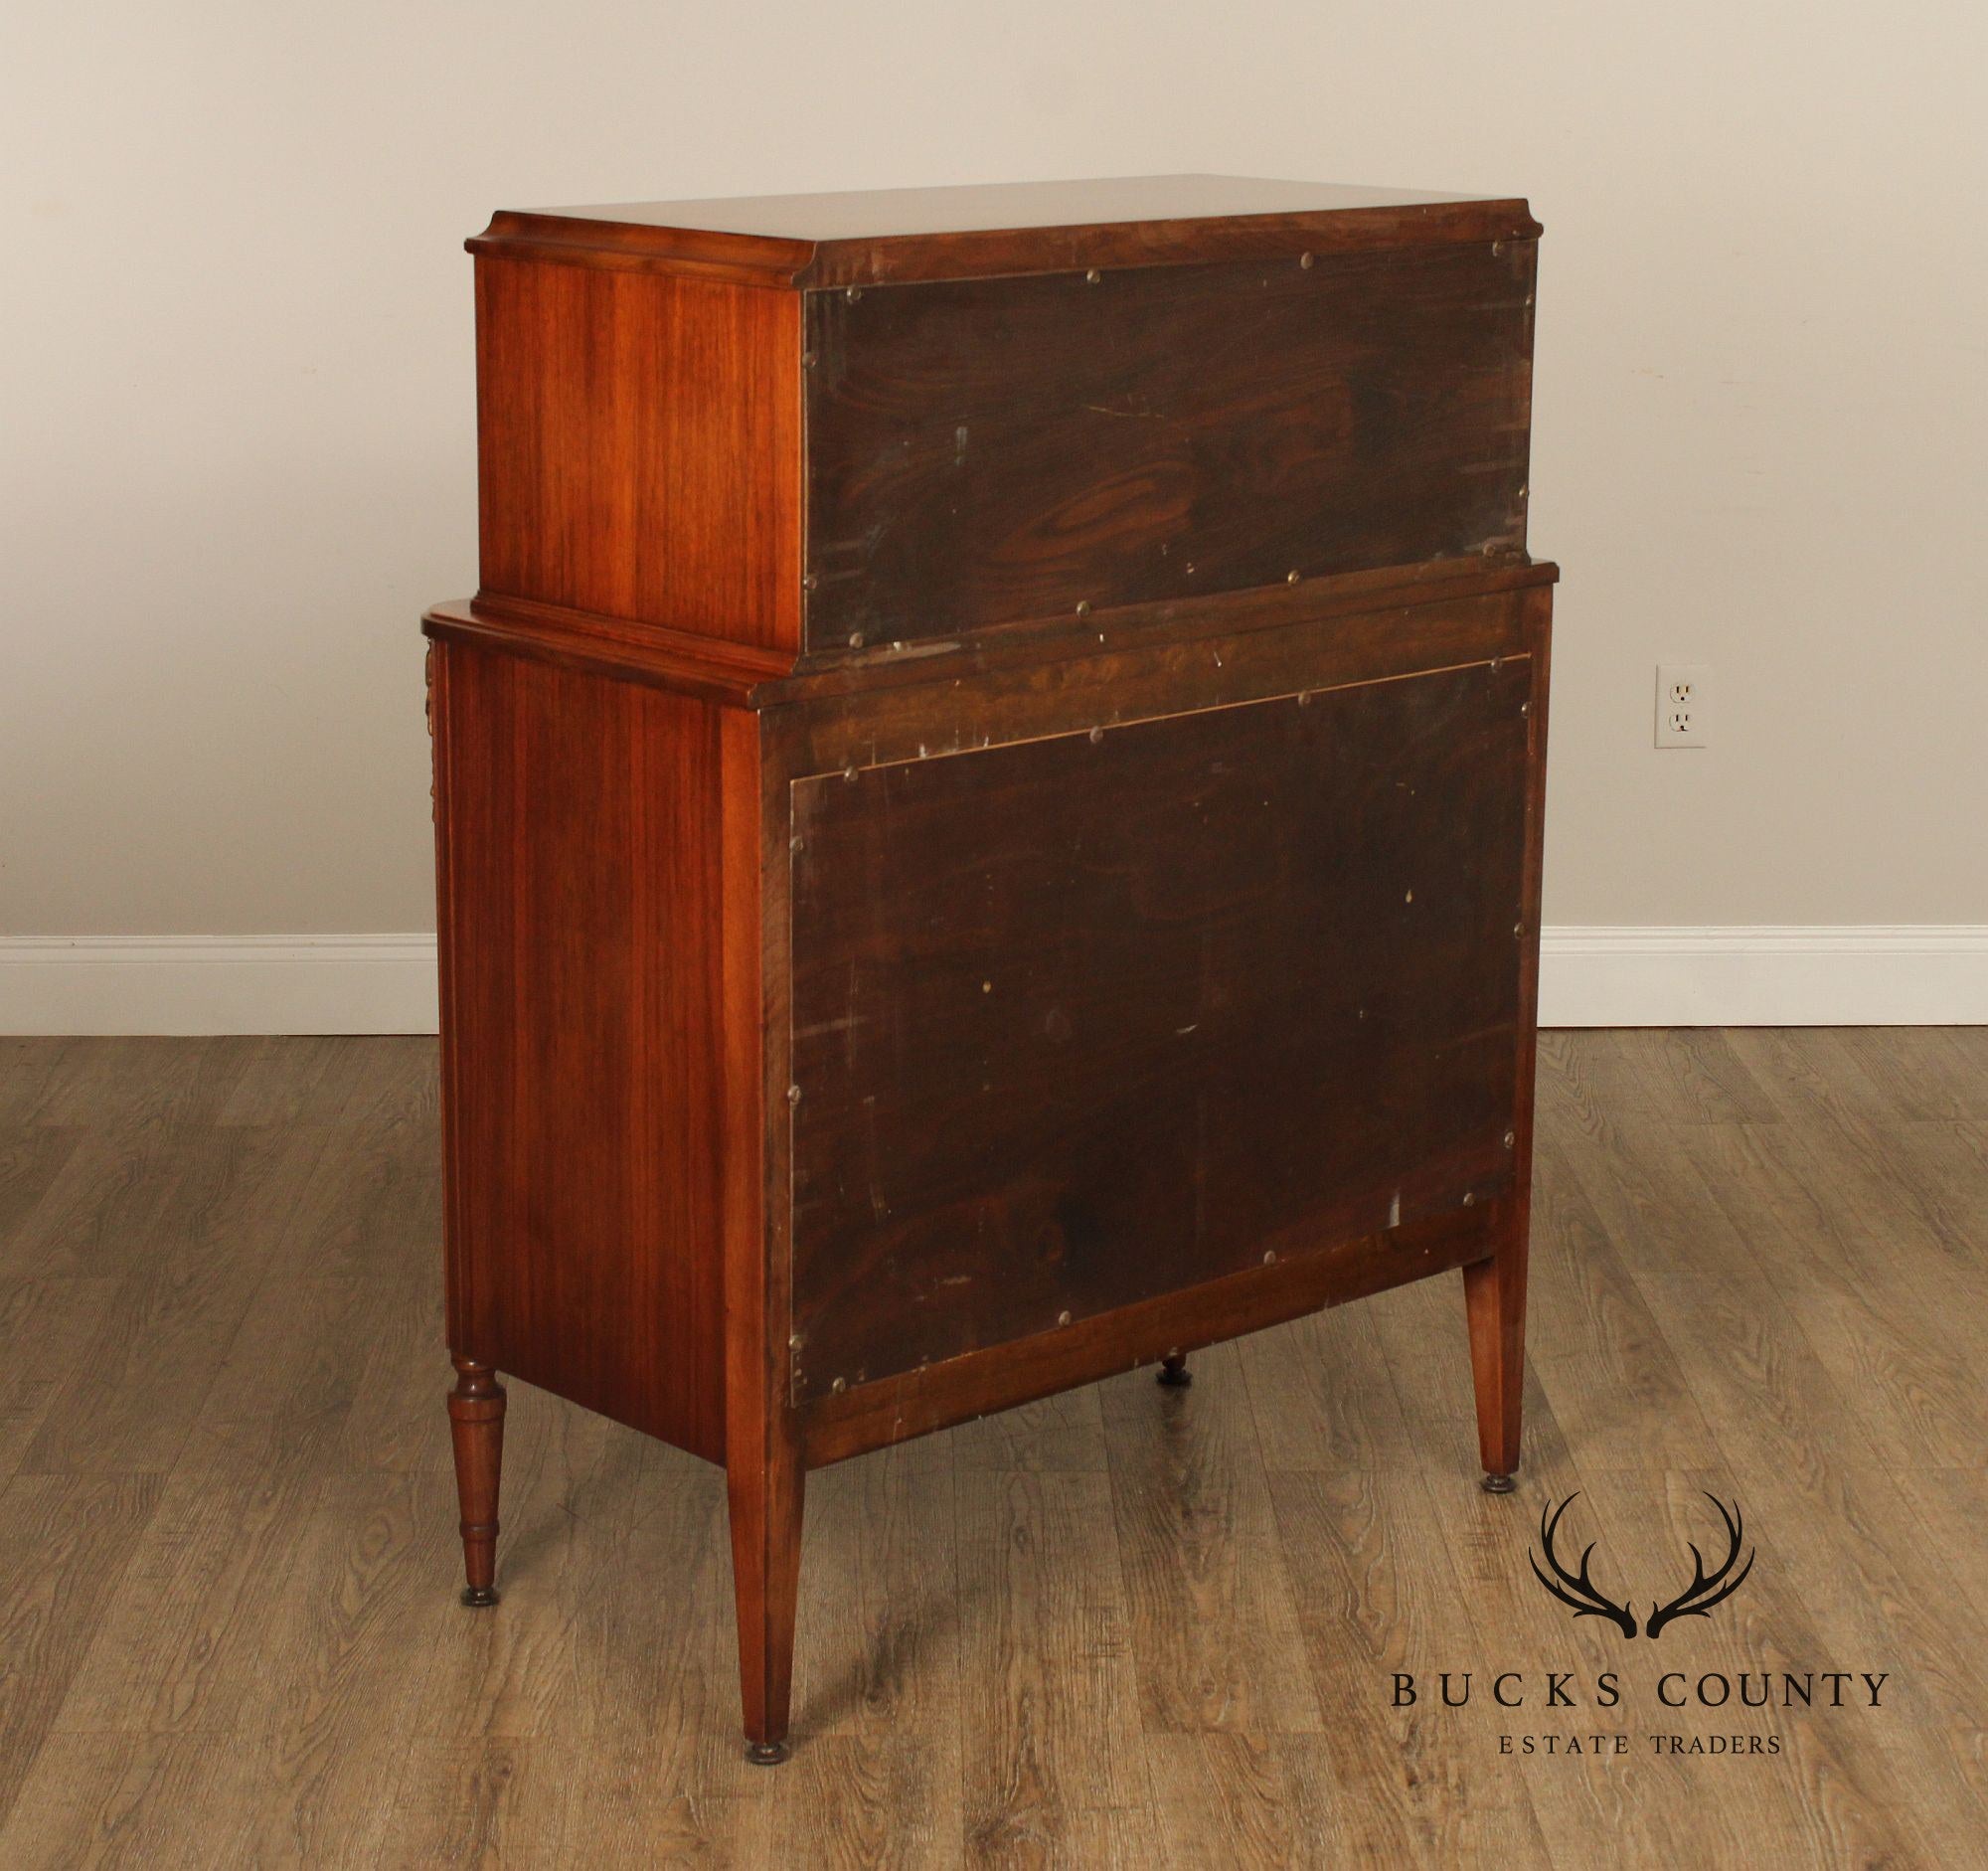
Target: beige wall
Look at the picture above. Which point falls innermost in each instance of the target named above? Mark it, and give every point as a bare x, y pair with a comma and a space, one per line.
237, 430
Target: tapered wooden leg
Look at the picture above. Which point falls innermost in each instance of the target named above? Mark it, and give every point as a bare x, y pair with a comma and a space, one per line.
1174, 1373
767, 1501
476, 1428
1494, 1296
1494, 1291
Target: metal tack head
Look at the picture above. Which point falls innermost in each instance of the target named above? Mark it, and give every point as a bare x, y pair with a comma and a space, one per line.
1511, 1137
1084, 606
1093, 277
852, 293
1270, 1257
840, 1385
809, 583
1468, 1198
807, 360
856, 639
1063, 1318
1096, 735
1304, 261
1291, 577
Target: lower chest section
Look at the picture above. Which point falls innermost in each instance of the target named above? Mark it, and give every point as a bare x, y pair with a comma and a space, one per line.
1094, 1012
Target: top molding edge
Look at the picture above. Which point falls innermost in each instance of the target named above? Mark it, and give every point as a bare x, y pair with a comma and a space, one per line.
907, 259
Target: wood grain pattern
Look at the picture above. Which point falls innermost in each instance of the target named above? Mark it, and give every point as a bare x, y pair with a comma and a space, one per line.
255, 1656
127, 1408
1044, 1614
1324, 629
1162, 660
938, 1395
1619, 1389
358, 1611
704, 668
1098, 1017
972, 255
65, 1543
883, 236
639, 447
582, 888
1205, 1573
765, 1475
476, 1431
1494, 1291
1705, 1286
1016, 1047
47, 1322
1372, 1598
208, 1573
1494, 1295
989, 450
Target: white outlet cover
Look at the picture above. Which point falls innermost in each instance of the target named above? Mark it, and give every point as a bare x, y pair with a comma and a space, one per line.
1683, 702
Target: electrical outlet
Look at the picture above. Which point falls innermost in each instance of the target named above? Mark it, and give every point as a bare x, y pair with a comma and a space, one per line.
1680, 704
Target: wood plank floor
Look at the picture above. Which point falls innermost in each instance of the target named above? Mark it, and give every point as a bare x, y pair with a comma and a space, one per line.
1126, 1626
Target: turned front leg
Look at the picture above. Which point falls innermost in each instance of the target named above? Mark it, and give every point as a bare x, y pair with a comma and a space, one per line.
476, 1428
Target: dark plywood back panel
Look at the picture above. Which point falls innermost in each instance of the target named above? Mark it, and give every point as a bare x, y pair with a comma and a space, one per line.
1078, 1022
987, 450
580, 885
639, 446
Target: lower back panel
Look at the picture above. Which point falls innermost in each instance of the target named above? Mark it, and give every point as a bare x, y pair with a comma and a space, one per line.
1079, 1021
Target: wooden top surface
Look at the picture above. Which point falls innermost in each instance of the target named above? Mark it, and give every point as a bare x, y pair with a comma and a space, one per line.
895, 236
871, 214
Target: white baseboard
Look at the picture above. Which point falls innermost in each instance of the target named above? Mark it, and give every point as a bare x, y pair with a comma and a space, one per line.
218, 984
1858, 975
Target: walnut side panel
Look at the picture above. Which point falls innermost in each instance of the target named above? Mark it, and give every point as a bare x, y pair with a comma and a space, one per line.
1087, 1019
639, 448
987, 450
583, 1070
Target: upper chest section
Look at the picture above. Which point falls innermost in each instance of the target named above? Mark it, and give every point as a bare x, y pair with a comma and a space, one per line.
1029, 403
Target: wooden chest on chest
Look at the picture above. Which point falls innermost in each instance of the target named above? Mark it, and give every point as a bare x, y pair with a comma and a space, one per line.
988, 810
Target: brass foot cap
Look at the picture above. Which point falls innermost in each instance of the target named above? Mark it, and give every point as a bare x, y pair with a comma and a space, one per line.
765, 1753
1499, 1483
478, 1595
